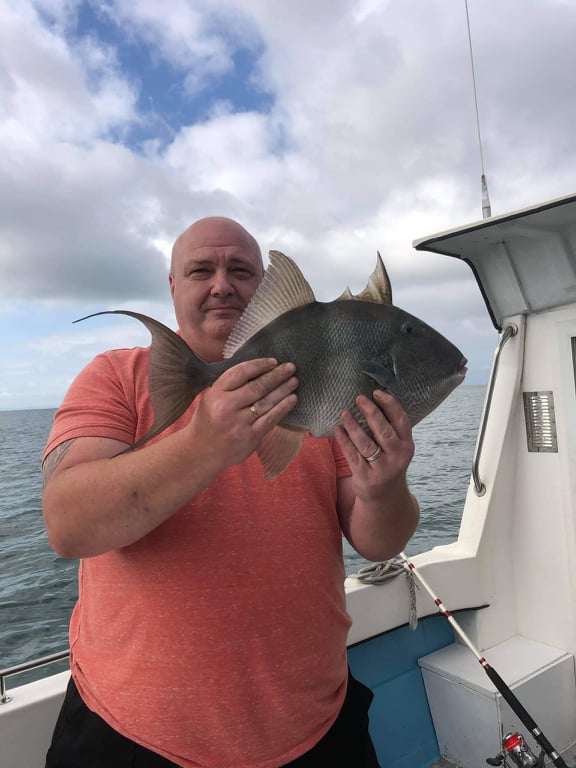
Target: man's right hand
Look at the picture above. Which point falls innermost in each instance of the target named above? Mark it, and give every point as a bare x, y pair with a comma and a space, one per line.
96, 500
242, 406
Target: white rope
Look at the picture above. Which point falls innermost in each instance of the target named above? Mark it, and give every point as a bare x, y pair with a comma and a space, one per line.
380, 573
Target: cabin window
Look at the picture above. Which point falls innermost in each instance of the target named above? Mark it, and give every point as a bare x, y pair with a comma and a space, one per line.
540, 422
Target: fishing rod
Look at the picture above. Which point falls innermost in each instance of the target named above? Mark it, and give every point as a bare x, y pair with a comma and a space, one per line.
499, 684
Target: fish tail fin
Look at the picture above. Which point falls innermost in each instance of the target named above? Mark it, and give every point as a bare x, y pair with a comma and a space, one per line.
175, 374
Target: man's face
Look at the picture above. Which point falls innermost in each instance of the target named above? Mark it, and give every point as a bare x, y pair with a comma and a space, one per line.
216, 269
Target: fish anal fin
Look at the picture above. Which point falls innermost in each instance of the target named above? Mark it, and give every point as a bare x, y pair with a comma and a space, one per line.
278, 449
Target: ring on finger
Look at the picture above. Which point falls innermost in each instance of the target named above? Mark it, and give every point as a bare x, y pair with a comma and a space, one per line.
374, 456
254, 411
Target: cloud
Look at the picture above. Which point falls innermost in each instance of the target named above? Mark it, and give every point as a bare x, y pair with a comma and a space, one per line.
56, 89
330, 129
73, 225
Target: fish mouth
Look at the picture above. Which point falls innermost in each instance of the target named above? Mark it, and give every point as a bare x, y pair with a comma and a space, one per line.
462, 369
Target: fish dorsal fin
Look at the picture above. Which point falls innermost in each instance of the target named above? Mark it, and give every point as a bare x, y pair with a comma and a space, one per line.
283, 288
378, 288
346, 295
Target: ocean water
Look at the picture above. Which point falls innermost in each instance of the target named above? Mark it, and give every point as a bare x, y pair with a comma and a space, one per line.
38, 589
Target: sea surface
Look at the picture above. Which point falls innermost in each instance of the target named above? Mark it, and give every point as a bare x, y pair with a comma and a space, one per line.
38, 589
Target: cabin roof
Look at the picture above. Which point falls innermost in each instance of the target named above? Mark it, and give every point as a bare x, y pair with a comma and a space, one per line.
524, 261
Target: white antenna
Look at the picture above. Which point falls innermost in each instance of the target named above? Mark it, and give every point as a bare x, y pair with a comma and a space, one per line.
486, 208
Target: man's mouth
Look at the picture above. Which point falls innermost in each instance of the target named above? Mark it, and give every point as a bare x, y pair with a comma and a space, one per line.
224, 308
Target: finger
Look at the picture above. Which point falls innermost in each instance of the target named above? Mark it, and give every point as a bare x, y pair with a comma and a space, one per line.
380, 428
267, 421
266, 403
350, 450
242, 373
394, 413
357, 435
259, 389
391, 427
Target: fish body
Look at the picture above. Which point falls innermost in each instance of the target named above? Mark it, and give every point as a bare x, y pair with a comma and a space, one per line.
341, 349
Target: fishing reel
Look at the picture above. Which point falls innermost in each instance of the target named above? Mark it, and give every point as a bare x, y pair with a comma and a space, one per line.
514, 746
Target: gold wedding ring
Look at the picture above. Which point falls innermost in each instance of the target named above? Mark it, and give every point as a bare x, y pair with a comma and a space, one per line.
374, 456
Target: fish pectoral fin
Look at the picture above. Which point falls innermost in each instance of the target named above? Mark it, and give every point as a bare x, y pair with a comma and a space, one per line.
381, 370
277, 450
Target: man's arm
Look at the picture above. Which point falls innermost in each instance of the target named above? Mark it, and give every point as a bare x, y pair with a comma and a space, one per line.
377, 512
96, 500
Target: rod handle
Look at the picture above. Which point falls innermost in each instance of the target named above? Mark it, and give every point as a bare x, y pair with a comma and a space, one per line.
524, 716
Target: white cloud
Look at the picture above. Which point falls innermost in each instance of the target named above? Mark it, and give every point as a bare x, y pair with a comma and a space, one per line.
194, 38
229, 152
366, 141
54, 90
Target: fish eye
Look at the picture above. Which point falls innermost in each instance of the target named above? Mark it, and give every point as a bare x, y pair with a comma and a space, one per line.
407, 328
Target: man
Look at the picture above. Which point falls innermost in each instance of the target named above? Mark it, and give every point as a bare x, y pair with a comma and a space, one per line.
211, 623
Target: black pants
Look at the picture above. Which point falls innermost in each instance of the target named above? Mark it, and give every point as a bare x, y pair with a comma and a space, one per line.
82, 739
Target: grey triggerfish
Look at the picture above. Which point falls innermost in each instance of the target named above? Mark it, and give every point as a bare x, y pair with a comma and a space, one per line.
340, 348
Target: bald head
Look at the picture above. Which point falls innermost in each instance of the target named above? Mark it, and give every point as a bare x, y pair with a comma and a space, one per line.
216, 231
216, 268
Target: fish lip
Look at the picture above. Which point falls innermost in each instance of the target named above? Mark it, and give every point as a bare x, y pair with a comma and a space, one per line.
462, 369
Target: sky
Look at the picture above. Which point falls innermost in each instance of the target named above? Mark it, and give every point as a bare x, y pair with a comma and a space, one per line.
331, 129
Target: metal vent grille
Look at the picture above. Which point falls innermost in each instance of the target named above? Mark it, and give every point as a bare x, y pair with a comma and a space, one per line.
540, 422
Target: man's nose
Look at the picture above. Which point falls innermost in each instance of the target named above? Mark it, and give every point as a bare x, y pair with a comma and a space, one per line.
221, 283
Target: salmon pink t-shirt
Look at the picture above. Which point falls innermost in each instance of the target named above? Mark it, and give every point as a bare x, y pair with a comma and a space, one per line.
219, 639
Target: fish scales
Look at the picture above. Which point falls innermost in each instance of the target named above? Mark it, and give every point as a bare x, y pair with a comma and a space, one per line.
322, 340
331, 344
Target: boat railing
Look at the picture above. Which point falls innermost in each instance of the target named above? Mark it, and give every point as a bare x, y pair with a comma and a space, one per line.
27, 666
507, 333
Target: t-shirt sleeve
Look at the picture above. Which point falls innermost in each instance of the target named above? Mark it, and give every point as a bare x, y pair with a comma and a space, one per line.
96, 405
342, 467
